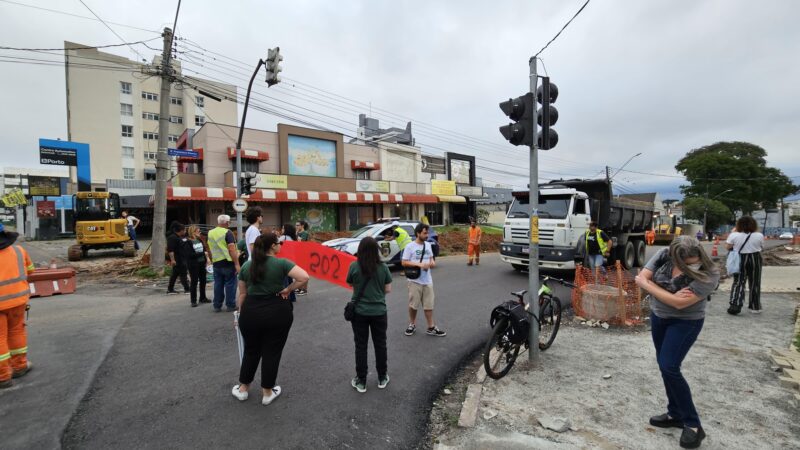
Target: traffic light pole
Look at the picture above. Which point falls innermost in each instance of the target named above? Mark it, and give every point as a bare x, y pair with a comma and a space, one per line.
533, 257
239, 149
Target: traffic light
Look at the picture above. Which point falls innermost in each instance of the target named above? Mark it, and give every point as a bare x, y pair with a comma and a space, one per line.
273, 66
520, 110
248, 181
547, 116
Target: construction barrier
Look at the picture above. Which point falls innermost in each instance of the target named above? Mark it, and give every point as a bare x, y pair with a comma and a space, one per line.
608, 294
47, 282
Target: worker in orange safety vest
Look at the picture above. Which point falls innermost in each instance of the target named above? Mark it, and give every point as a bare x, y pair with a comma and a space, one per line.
15, 265
474, 244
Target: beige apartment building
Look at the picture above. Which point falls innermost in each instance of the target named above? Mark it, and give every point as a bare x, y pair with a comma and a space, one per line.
114, 107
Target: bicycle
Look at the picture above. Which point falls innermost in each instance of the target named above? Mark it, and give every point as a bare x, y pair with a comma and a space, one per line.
510, 326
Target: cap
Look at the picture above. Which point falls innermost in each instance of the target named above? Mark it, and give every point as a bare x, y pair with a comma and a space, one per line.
395, 224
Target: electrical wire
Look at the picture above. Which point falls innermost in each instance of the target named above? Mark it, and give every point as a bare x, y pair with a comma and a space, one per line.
82, 47
77, 16
562, 29
111, 29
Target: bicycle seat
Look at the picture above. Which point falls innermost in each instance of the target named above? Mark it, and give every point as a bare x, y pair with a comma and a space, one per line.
520, 294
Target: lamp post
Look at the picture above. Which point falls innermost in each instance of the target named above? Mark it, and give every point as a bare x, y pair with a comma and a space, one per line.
705, 210
623, 166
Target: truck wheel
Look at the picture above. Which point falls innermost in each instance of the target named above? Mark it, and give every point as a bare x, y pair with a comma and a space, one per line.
629, 256
519, 267
129, 249
641, 258
74, 253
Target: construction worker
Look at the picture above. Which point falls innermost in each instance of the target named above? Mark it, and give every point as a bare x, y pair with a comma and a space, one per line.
15, 265
474, 243
596, 246
650, 237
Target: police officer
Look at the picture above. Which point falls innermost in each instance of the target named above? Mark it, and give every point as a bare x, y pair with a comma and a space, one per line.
400, 235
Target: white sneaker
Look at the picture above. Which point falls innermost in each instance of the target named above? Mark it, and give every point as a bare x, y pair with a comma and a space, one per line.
755, 311
242, 396
276, 392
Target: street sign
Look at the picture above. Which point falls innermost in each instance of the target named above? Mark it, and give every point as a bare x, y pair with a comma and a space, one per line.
239, 205
183, 153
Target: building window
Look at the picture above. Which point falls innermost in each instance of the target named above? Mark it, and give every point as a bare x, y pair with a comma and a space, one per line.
176, 119
200, 101
149, 116
361, 174
248, 165
150, 96
127, 131
149, 176
127, 152
172, 138
125, 109
128, 173
150, 155
199, 120
124, 87
150, 136
176, 100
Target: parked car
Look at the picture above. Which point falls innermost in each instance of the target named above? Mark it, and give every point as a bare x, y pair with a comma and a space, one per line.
390, 251
786, 235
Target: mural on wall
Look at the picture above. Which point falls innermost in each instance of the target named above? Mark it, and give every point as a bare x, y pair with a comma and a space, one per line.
320, 216
311, 156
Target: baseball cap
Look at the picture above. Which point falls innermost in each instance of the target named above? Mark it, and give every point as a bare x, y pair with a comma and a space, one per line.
395, 224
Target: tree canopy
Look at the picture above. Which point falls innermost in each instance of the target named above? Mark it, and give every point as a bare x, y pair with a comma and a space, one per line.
718, 213
740, 166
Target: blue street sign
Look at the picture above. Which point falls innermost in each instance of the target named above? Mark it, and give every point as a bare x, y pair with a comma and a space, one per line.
183, 153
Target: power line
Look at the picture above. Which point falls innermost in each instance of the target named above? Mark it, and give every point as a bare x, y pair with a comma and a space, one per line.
82, 47
111, 29
561, 30
77, 15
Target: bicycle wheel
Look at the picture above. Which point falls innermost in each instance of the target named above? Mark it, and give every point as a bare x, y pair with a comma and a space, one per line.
549, 320
499, 354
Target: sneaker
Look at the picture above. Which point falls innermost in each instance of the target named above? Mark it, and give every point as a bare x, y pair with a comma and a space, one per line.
755, 311
242, 396
187, 292
173, 292
734, 310
22, 372
266, 400
411, 329
194, 304
358, 385
230, 309
383, 381
435, 331
205, 300
300, 292
217, 309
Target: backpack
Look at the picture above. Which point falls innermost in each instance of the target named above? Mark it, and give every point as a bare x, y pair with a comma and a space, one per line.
517, 317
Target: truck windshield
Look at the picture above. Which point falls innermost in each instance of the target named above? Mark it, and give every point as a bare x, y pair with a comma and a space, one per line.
550, 207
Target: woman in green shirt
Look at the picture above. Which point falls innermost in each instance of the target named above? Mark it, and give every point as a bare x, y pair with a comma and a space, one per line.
265, 315
371, 280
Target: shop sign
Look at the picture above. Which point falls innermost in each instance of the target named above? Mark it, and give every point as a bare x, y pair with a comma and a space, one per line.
46, 209
44, 186
443, 187
469, 191
271, 181
372, 186
433, 164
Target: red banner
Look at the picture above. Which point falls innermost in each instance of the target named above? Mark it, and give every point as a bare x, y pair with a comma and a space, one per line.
319, 261
45, 209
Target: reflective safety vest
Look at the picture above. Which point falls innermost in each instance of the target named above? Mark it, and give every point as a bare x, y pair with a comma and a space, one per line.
600, 241
403, 238
15, 264
218, 246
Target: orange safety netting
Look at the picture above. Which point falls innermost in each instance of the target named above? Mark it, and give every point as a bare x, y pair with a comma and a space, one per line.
609, 294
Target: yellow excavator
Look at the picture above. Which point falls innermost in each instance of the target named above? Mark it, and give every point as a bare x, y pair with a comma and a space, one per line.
99, 225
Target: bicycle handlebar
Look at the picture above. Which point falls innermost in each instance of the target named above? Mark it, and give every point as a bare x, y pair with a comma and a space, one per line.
547, 278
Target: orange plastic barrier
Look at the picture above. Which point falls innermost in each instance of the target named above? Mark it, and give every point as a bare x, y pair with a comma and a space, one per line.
319, 261
47, 282
610, 295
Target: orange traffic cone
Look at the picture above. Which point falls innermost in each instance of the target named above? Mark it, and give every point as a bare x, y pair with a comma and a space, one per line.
714, 251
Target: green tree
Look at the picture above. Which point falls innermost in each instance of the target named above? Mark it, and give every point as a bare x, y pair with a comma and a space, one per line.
740, 166
718, 213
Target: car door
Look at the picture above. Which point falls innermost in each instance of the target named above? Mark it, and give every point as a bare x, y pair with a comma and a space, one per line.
387, 248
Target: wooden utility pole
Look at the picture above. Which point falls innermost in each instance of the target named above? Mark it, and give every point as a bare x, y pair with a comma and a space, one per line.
159, 242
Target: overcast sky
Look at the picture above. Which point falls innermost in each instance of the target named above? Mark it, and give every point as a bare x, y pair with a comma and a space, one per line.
656, 77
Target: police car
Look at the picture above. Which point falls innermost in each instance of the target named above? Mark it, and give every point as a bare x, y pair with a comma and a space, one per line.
390, 251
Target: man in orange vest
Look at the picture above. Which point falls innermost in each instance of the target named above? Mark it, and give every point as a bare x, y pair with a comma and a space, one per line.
474, 245
15, 265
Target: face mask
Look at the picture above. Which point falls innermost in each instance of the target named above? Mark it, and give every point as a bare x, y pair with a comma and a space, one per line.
695, 266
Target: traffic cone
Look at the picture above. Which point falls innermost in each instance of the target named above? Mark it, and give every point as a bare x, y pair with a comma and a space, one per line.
714, 251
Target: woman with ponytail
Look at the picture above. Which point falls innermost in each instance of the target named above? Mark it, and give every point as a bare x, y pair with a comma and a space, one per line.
265, 315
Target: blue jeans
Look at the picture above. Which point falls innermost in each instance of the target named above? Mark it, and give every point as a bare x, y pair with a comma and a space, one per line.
132, 234
595, 261
225, 286
673, 338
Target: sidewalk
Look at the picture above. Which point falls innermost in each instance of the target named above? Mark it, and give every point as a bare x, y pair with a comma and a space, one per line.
607, 383
774, 279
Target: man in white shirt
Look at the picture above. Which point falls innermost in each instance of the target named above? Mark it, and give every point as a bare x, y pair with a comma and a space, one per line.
133, 224
254, 218
419, 253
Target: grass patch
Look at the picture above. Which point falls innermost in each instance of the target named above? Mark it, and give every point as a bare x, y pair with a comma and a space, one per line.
487, 229
146, 272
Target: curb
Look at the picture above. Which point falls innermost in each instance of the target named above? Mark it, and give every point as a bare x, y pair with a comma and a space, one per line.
787, 363
472, 399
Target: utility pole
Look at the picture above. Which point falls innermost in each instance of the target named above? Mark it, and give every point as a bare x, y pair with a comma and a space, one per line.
533, 257
159, 243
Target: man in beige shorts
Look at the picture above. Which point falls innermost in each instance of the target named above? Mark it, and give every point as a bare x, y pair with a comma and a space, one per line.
420, 290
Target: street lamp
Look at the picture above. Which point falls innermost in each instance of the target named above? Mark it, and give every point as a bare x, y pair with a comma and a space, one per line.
623, 166
705, 211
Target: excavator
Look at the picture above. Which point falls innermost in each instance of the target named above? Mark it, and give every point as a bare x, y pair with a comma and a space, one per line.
99, 225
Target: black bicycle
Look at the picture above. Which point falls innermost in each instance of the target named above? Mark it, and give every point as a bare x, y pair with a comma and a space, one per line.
510, 325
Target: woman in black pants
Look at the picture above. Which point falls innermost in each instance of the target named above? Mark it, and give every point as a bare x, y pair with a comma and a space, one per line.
371, 281
265, 315
748, 242
197, 260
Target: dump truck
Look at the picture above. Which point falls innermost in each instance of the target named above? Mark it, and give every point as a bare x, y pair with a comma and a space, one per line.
565, 209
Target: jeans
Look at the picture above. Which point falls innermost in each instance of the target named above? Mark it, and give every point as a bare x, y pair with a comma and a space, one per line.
265, 323
225, 286
595, 261
673, 338
132, 234
178, 270
362, 325
197, 280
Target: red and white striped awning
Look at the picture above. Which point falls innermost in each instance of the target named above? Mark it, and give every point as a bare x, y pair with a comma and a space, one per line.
249, 154
285, 195
367, 165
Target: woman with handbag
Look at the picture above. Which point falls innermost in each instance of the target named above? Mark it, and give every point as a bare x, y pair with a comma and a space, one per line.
748, 243
678, 280
265, 315
371, 281
197, 260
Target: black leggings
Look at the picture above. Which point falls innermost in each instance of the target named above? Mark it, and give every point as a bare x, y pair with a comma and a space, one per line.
197, 276
750, 273
265, 322
362, 325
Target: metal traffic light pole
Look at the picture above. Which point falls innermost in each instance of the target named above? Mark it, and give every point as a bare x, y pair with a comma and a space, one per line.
239, 149
533, 257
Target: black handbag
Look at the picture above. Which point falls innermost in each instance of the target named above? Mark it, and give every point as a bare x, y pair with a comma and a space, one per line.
412, 273
350, 308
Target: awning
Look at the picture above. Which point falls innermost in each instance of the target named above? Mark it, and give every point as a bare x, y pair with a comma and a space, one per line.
249, 154
189, 158
452, 199
285, 195
366, 165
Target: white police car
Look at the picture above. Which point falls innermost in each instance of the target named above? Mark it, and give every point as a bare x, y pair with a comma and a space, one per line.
390, 251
